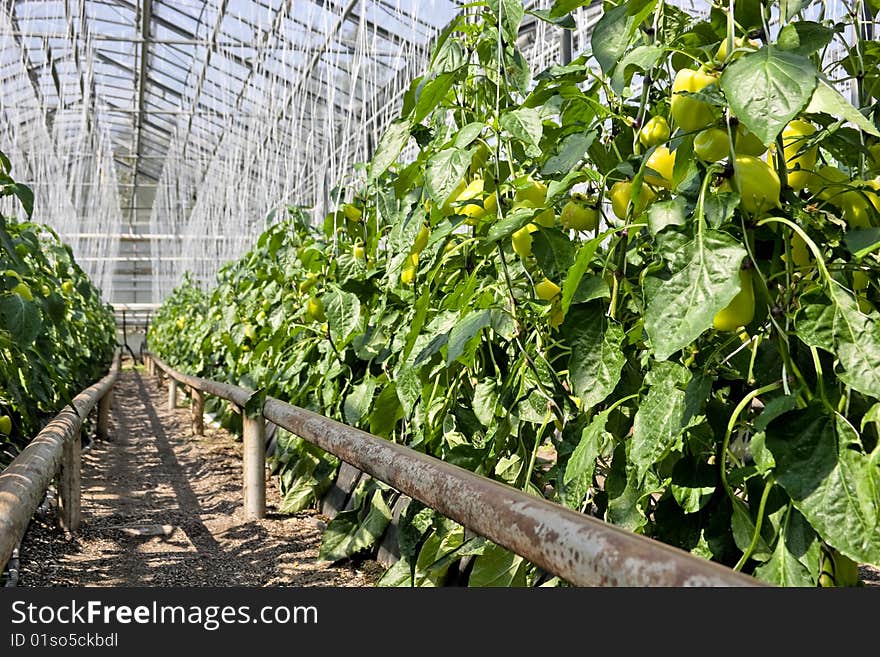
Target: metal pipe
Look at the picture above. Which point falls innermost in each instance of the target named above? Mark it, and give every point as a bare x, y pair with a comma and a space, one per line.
24, 482
172, 393
254, 430
582, 550
565, 46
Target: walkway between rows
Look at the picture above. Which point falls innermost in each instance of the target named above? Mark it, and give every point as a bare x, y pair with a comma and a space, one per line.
162, 507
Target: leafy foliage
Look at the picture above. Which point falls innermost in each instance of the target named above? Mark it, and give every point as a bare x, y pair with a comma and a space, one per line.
56, 336
624, 394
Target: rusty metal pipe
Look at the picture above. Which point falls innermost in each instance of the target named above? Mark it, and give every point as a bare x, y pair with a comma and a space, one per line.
24, 482
582, 550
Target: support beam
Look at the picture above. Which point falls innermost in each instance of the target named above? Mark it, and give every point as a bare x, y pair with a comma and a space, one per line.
145, 17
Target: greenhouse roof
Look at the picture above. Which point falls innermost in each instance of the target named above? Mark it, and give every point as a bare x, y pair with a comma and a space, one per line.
154, 93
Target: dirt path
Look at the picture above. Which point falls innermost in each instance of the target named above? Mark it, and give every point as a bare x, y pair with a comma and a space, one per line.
163, 508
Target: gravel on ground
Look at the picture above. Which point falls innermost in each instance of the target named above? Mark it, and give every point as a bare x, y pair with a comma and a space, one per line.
162, 507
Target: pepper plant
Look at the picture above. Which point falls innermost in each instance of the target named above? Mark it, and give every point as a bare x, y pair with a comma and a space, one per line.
641, 284
56, 335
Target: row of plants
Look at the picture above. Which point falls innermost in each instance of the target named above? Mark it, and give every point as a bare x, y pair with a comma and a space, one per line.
641, 284
56, 335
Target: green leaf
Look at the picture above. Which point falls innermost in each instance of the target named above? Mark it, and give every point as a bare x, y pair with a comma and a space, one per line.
343, 311
836, 487
253, 407
444, 172
20, 318
387, 411
840, 328
464, 331
784, 568
511, 16
346, 536
450, 56
611, 37
485, 401
591, 287
430, 94
556, 188
768, 88
576, 272
684, 306
565, 21
743, 528
596, 358
434, 337
357, 402
862, 242
660, 420
568, 154
525, 125
804, 37
827, 99
389, 148
693, 483
626, 498
667, 213
719, 207
553, 251
562, 7
642, 59
498, 567
25, 195
468, 133
511, 223
791, 7
578, 475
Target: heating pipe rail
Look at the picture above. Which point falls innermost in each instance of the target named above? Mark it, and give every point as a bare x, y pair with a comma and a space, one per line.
582, 550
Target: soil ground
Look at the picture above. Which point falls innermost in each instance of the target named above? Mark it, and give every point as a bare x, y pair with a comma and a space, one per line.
162, 507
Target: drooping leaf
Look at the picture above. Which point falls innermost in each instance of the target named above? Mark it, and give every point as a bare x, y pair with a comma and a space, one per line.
497, 566
358, 401
578, 475
444, 171
804, 37
389, 148
525, 125
836, 487
684, 306
596, 355
20, 318
766, 89
660, 420
829, 100
568, 154
464, 331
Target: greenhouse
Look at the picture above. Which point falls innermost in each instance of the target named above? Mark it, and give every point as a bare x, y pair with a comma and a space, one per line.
434, 293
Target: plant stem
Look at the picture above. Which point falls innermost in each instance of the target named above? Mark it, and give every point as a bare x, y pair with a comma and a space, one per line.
758, 522
725, 445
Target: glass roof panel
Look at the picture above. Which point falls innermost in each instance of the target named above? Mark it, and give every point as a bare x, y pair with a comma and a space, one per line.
189, 96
